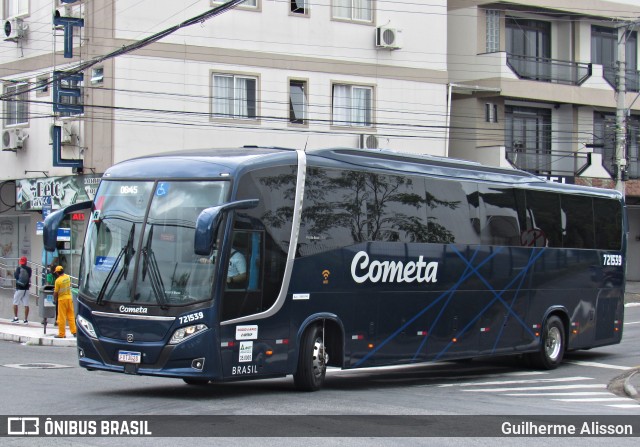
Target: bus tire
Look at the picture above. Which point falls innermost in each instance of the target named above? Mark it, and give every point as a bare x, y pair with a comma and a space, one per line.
197, 382
312, 361
552, 346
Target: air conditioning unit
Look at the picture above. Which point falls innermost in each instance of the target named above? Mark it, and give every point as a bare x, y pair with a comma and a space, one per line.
368, 141
13, 139
68, 133
14, 30
388, 38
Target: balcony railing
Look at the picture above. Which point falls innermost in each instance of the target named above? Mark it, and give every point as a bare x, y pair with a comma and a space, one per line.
632, 78
549, 70
542, 162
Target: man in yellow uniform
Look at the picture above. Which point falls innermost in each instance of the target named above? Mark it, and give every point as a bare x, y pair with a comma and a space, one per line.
62, 295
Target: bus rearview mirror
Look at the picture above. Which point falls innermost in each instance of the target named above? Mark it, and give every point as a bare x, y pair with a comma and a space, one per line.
209, 220
52, 223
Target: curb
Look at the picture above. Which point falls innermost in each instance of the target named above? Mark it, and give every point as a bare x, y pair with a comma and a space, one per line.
629, 389
45, 340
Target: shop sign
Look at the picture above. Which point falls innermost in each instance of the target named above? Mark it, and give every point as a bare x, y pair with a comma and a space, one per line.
34, 194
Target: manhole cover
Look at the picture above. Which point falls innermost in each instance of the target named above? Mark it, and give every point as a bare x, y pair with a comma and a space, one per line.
36, 366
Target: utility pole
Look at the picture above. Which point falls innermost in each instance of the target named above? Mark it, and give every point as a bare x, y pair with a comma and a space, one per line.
621, 122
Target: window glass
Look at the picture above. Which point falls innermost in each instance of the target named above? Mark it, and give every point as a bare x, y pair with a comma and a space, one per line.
493, 31
345, 207
361, 10
14, 8
452, 215
263, 233
577, 222
300, 6
608, 223
297, 102
16, 107
234, 96
503, 216
543, 218
352, 105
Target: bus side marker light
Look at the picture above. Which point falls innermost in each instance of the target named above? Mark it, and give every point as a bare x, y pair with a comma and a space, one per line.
370, 345
269, 352
227, 344
422, 333
454, 340
357, 337
484, 329
282, 341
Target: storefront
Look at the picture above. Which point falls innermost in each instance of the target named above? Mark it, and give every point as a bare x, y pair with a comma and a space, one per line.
35, 198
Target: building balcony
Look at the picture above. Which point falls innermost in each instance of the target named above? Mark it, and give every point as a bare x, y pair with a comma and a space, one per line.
549, 70
544, 162
632, 79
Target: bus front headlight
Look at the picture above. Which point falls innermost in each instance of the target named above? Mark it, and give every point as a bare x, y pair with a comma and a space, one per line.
184, 333
87, 327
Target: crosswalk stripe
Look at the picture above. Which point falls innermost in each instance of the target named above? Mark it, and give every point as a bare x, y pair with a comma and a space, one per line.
598, 365
537, 388
574, 393
515, 382
594, 399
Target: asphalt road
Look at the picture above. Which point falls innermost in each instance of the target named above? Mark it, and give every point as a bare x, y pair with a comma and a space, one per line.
47, 381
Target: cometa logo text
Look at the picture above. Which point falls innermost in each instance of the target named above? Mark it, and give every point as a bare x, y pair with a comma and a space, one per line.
133, 310
392, 271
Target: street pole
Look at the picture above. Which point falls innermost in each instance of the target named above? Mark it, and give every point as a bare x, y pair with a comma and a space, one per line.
621, 123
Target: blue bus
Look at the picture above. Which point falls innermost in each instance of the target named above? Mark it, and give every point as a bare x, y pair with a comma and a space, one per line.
247, 263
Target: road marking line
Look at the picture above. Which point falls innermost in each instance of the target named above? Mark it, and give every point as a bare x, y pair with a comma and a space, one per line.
598, 365
514, 382
633, 322
537, 388
595, 399
575, 393
636, 406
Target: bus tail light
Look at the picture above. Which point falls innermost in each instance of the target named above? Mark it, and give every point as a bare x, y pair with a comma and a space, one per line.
184, 333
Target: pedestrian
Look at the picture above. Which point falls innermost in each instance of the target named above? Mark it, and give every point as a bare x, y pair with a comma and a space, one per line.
21, 295
62, 294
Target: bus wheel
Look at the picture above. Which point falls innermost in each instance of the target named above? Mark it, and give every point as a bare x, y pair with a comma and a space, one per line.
199, 382
552, 348
312, 361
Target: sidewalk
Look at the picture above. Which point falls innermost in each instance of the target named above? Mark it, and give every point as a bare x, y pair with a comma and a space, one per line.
33, 333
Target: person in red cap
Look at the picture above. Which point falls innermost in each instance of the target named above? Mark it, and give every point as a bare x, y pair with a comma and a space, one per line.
21, 295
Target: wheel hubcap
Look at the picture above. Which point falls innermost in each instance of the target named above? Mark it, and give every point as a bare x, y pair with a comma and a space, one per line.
320, 358
553, 343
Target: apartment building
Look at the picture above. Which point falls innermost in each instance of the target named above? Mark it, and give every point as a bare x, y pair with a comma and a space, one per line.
533, 86
300, 73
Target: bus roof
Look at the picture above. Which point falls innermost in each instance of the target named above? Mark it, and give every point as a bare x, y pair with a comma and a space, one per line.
208, 163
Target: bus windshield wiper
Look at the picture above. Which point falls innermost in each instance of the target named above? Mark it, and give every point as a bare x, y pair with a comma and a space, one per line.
149, 264
127, 252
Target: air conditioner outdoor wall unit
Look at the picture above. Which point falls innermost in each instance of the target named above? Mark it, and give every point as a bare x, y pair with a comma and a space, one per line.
14, 30
368, 141
68, 134
13, 139
388, 38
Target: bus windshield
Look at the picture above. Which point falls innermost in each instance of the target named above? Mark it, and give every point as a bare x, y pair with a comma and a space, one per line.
139, 243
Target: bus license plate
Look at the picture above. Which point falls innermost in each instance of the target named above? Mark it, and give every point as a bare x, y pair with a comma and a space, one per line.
129, 357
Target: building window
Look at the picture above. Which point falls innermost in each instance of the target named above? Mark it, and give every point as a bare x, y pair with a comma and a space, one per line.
15, 8
297, 102
357, 10
491, 113
246, 4
73, 84
493, 30
352, 105
97, 76
528, 138
300, 7
16, 104
234, 96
